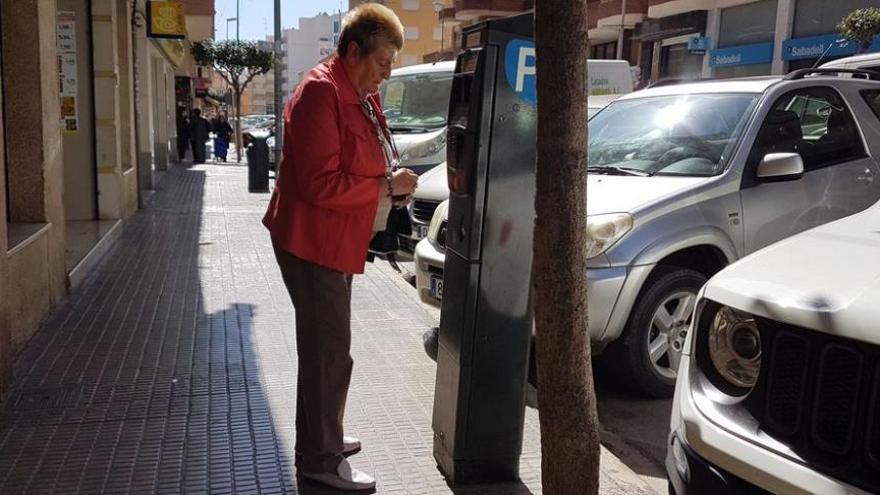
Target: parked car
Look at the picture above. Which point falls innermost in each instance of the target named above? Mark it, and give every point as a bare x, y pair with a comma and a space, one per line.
433, 189
415, 100
779, 381
864, 61
684, 180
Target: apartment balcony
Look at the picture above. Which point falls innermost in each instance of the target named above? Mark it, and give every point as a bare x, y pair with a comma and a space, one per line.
604, 18
666, 8
468, 10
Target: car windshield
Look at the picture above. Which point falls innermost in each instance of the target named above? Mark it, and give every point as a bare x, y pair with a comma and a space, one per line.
417, 102
690, 135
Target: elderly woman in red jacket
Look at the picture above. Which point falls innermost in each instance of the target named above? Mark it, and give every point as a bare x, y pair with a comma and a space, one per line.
336, 171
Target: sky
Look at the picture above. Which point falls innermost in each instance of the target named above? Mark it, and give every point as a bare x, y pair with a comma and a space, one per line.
257, 16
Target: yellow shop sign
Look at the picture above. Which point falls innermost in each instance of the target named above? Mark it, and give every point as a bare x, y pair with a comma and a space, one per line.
166, 19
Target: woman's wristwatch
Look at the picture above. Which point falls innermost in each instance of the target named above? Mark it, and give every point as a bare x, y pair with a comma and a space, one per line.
388, 178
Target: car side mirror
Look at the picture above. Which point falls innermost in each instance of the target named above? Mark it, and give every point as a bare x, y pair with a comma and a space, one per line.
777, 167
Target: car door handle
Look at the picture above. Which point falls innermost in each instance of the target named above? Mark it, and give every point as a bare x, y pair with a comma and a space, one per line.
867, 177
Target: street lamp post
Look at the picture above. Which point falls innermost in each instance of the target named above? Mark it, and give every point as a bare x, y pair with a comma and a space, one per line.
228, 20
238, 16
622, 28
438, 7
279, 97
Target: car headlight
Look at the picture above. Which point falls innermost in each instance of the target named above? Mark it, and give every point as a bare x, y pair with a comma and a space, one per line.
438, 220
426, 149
735, 347
604, 230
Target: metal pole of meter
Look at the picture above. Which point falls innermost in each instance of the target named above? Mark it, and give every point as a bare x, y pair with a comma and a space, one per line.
279, 96
622, 28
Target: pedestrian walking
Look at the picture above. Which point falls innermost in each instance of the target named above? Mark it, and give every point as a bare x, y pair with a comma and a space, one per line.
222, 136
199, 131
337, 169
183, 123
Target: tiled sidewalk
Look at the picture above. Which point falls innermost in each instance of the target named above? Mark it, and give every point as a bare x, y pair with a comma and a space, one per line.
172, 368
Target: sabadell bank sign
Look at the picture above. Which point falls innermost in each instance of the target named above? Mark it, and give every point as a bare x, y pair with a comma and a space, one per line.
759, 53
723, 60
831, 45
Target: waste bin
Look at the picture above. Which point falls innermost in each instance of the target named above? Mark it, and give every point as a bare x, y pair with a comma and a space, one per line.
258, 165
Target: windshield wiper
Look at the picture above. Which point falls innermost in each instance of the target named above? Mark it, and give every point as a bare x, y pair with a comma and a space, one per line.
612, 170
420, 130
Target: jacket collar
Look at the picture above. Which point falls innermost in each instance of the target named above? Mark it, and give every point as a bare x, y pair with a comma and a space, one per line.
347, 92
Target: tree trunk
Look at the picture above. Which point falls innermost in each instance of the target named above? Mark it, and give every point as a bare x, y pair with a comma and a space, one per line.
566, 397
237, 125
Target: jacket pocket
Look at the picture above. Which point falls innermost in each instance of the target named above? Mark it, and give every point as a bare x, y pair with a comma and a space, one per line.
361, 151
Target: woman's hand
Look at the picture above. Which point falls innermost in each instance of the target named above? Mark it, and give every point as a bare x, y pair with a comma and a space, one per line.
403, 182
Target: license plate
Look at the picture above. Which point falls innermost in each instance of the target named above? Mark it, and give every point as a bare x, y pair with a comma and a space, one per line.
436, 289
422, 231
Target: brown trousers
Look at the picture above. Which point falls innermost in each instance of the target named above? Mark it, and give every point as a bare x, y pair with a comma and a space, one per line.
322, 301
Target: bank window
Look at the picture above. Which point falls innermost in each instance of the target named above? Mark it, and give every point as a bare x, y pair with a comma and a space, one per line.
813, 122
748, 24
818, 17
678, 63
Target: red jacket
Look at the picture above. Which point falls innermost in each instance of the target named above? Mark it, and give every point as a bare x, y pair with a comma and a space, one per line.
327, 193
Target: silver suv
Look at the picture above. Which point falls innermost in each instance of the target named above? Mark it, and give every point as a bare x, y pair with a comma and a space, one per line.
685, 179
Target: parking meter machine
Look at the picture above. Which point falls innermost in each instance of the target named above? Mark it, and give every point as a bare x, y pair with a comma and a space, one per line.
486, 320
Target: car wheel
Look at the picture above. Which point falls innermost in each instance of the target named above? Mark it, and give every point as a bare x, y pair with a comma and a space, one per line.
648, 352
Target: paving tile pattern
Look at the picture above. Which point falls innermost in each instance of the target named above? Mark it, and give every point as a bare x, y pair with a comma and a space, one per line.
172, 368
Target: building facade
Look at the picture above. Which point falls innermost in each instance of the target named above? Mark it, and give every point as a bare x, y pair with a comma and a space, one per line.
87, 120
424, 29
694, 39
303, 47
455, 15
259, 96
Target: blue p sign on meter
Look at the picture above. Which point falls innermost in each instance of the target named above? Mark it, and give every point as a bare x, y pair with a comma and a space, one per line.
519, 67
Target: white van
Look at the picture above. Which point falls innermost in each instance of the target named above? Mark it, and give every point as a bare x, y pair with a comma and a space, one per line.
609, 77
415, 100
863, 61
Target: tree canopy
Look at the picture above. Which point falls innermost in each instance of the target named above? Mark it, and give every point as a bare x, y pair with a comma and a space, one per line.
861, 26
238, 62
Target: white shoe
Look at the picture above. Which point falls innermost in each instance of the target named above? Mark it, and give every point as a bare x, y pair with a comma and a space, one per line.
346, 478
350, 446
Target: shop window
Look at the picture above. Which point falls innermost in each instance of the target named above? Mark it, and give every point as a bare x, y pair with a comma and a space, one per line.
605, 51
748, 24
21, 147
